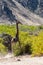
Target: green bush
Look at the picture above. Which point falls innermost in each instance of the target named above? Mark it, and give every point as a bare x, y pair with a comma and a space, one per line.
24, 49
37, 45
30, 44
3, 49
17, 50
31, 39
25, 45
28, 49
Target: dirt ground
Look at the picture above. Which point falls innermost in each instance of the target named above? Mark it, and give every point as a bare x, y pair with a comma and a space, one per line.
21, 60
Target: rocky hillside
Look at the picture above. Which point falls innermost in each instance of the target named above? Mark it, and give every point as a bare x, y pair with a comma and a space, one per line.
12, 10
35, 6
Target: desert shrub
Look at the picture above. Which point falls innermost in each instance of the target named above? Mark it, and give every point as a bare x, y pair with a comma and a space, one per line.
24, 49
8, 29
28, 48
3, 49
25, 41
28, 28
31, 39
40, 27
7, 41
37, 45
17, 50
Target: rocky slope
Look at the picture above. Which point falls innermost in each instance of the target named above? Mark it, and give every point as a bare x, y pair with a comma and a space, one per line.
35, 6
13, 10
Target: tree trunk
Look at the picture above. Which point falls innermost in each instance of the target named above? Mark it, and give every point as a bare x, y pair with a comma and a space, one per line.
17, 30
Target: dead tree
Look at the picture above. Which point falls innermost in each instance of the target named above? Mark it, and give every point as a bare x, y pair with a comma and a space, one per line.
16, 39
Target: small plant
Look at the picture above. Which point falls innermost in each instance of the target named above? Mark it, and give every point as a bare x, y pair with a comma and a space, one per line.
3, 49
17, 50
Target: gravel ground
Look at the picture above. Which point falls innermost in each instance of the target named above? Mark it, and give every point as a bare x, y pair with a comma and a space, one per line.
21, 60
